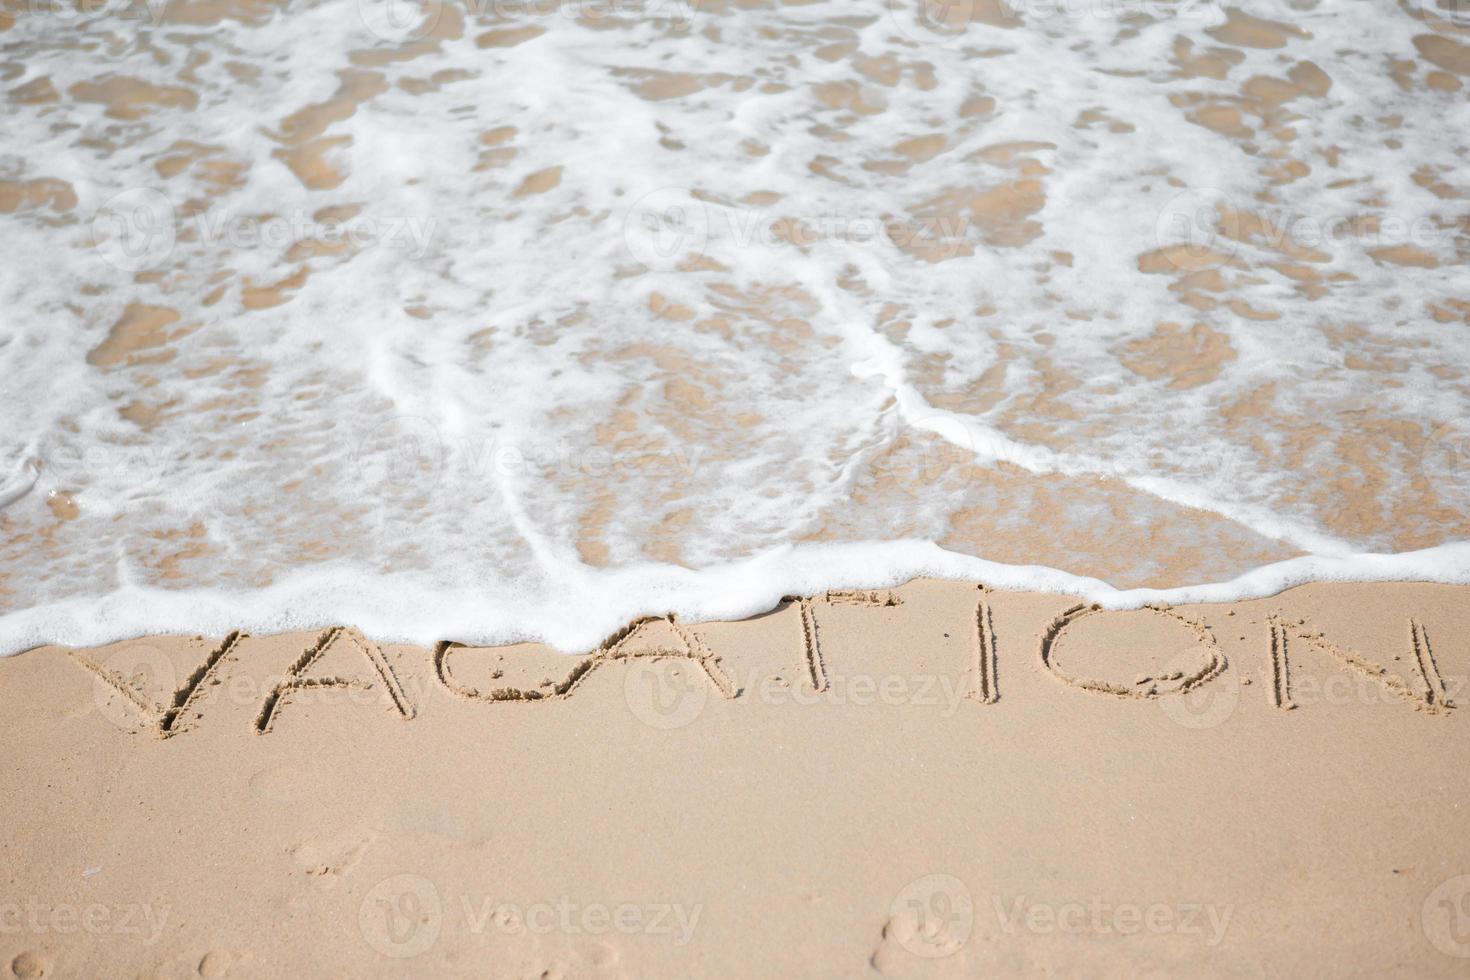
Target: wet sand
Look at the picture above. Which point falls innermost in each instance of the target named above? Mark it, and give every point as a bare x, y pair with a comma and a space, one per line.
1187, 299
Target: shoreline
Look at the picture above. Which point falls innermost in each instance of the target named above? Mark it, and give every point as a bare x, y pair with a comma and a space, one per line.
406, 609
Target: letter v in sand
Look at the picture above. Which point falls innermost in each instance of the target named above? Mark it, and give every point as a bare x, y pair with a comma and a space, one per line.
167, 720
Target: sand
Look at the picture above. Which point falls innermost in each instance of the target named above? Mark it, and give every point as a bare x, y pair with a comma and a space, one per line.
538, 300
938, 781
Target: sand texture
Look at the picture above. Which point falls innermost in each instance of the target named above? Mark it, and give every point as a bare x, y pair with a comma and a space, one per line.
937, 781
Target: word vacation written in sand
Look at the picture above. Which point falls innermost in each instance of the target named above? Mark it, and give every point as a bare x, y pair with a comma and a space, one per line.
673, 670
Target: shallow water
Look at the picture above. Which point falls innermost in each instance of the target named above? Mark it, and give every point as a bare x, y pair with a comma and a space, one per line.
516, 319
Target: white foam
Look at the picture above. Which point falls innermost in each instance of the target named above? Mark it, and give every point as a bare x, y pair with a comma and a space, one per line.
476, 424
404, 608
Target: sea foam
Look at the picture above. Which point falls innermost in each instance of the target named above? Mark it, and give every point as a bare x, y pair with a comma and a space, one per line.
495, 320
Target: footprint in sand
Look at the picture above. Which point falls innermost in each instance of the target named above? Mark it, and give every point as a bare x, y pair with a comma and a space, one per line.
332, 858
932, 918
281, 784
603, 956
30, 966
215, 963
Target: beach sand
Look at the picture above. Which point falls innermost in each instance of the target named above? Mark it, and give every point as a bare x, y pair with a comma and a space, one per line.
937, 781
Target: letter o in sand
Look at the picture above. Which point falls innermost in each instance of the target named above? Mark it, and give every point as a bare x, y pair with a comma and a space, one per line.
1150, 654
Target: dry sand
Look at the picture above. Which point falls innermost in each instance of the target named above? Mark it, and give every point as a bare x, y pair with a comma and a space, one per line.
978, 788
